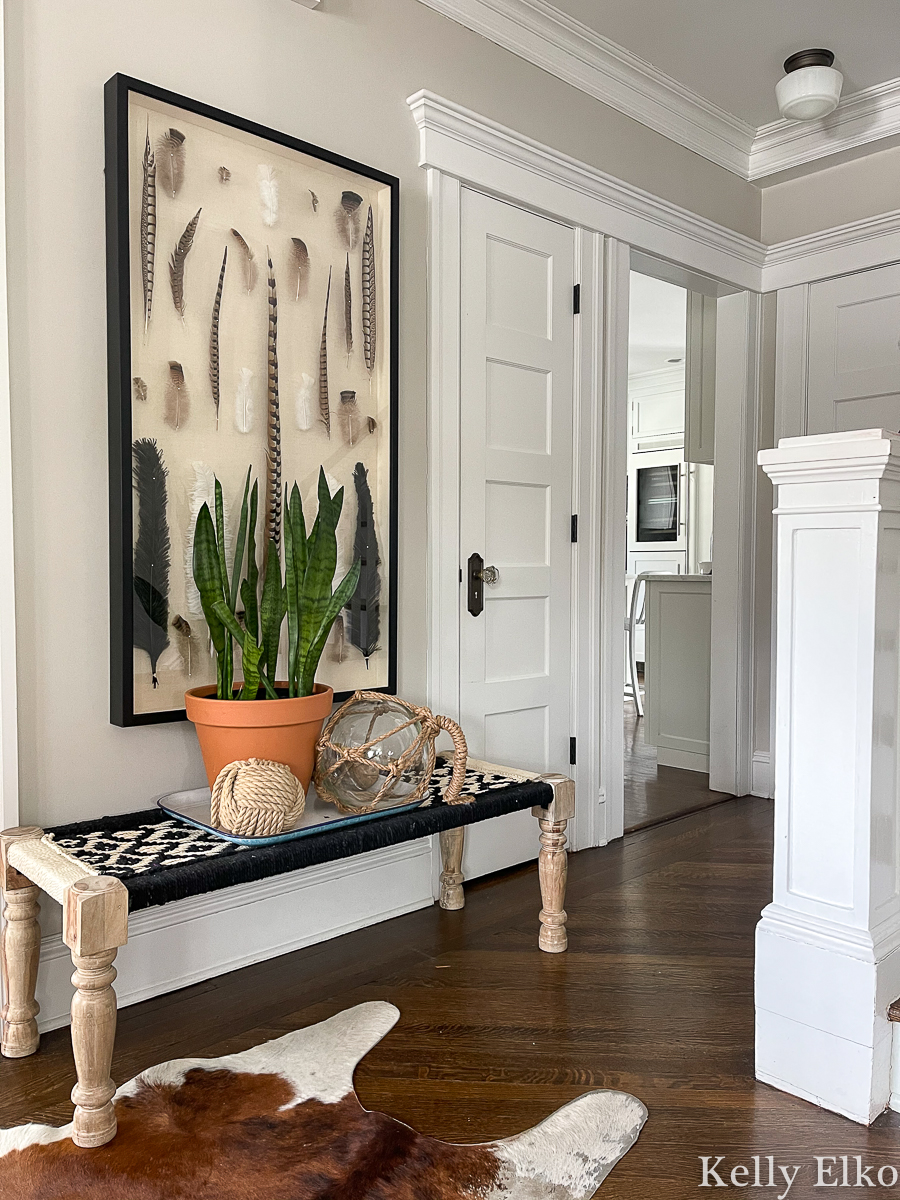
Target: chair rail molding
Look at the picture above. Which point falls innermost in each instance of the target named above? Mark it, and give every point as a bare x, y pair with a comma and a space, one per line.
540, 33
828, 946
493, 158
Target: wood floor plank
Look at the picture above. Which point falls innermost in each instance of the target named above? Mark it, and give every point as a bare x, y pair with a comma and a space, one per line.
655, 997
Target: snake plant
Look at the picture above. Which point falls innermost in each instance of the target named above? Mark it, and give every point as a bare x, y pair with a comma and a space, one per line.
304, 595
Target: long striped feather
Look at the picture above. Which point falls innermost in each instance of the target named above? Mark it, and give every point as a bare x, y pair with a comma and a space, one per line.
369, 294
177, 261
324, 410
148, 227
273, 427
214, 339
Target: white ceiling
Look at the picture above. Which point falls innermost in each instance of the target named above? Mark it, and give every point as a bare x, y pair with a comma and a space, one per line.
731, 51
656, 324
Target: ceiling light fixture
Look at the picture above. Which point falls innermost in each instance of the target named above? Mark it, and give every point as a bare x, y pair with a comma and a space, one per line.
811, 87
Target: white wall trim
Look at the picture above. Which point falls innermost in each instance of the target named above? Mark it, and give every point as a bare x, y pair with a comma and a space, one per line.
548, 38
179, 944
495, 159
761, 775
541, 34
9, 752
863, 117
841, 250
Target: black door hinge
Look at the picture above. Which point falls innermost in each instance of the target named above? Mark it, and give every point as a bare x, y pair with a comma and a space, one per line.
571, 752
574, 527
576, 299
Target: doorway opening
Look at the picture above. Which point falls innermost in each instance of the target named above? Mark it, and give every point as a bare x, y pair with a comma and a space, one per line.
669, 551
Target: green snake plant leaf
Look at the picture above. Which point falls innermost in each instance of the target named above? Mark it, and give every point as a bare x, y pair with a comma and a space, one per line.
251, 651
309, 665
272, 611
291, 594
320, 566
208, 576
250, 586
239, 547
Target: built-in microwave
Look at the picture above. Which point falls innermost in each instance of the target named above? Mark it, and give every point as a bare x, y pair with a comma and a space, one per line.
656, 501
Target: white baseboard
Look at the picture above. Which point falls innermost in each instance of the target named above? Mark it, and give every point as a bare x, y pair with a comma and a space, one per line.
183, 943
761, 781
685, 760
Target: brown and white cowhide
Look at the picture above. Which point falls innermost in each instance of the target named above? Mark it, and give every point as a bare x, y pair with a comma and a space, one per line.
282, 1122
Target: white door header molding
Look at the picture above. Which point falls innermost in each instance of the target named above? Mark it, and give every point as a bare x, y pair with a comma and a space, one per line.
540, 33
498, 160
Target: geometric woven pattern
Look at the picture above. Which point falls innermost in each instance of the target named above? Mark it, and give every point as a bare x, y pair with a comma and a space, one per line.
125, 853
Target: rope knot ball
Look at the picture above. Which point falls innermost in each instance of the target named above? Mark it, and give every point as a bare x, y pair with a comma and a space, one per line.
256, 798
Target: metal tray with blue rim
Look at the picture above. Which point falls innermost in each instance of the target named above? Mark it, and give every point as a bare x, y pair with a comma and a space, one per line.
193, 808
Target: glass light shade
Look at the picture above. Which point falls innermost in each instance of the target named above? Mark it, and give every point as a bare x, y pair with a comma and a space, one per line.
356, 785
809, 93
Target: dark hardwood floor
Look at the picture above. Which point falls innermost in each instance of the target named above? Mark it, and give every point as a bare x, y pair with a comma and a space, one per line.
655, 996
654, 794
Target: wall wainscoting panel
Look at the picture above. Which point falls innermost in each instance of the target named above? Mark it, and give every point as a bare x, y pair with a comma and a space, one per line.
183, 943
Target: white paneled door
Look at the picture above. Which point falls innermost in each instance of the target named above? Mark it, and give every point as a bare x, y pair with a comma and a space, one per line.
516, 414
854, 352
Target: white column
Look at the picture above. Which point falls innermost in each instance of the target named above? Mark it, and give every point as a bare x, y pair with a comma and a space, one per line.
827, 961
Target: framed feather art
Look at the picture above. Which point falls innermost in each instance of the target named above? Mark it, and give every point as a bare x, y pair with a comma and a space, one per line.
252, 316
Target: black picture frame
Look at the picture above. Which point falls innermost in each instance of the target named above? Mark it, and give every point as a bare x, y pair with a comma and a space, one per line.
119, 367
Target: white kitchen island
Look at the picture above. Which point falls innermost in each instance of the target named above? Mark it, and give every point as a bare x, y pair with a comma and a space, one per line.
676, 669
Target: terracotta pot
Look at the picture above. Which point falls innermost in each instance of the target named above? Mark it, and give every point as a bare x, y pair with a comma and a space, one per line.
283, 731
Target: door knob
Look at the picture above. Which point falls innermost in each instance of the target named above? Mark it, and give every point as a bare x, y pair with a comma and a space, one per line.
478, 575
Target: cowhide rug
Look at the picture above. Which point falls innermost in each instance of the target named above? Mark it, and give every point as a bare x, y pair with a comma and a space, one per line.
282, 1122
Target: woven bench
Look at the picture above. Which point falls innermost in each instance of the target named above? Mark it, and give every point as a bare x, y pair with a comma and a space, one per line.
99, 871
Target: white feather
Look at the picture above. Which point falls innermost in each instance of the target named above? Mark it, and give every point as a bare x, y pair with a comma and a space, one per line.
268, 193
202, 491
243, 401
304, 403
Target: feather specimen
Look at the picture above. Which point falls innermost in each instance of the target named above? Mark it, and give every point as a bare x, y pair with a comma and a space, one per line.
365, 603
348, 311
224, 175
249, 261
214, 339
177, 399
369, 294
314, 199
372, 424
350, 418
182, 627
177, 260
336, 638
140, 389
273, 427
170, 160
151, 553
268, 193
324, 410
303, 403
346, 218
243, 401
300, 262
148, 227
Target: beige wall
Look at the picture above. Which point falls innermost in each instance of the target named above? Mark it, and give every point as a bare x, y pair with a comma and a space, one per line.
833, 196
338, 77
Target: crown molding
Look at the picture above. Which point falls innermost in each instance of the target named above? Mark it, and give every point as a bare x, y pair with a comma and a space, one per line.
863, 117
483, 153
538, 32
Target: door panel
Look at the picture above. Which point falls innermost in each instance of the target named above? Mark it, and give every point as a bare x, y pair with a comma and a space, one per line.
517, 360
854, 355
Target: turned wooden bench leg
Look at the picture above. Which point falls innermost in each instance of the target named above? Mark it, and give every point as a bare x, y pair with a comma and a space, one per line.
95, 924
20, 951
552, 862
452, 844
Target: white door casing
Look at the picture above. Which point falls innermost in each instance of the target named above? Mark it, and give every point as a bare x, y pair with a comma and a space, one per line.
517, 347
